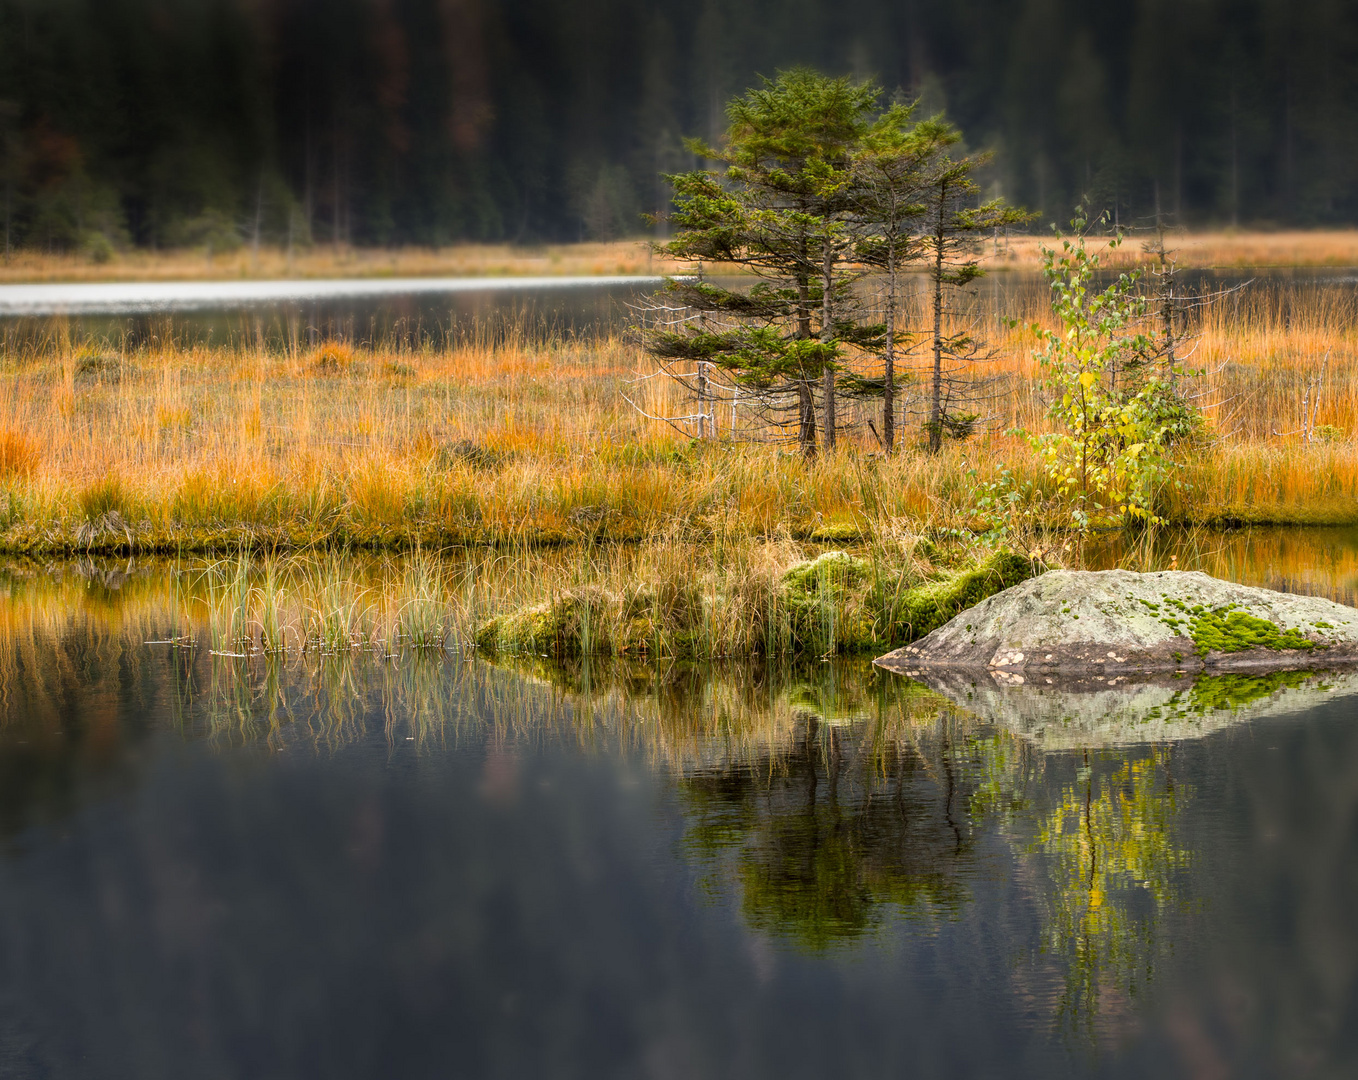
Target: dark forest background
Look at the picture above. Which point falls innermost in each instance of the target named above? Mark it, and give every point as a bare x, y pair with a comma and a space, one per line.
169, 122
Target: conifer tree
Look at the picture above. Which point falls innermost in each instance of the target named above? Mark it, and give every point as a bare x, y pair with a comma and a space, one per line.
889, 194
781, 209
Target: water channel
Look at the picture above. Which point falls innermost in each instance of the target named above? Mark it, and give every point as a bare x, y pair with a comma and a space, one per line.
415, 311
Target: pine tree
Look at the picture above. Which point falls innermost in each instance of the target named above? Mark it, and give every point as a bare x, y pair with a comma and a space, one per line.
889, 192
783, 210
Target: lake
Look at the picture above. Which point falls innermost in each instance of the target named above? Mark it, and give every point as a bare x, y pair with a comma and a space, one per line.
424, 862
288, 313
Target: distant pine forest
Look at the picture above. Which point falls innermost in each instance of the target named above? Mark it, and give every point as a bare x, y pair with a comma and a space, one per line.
174, 123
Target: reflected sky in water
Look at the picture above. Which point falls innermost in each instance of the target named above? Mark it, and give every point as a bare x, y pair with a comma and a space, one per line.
440, 866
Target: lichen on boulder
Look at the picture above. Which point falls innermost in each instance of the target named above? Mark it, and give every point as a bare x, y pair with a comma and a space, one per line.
1116, 621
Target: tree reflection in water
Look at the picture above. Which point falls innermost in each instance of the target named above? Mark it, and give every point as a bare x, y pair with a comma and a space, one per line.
1114, 869
857, 816
845, 821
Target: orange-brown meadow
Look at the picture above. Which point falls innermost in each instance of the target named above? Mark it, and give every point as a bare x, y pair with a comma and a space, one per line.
522, 441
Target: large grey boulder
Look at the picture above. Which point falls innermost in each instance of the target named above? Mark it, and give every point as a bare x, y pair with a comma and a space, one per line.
1116, 622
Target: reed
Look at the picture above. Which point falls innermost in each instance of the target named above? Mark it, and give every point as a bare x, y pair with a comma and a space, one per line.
681, 715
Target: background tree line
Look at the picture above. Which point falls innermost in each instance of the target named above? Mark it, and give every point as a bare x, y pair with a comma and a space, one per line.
165, 122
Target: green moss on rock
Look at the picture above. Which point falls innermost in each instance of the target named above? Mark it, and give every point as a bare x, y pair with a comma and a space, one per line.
1212, 692
1228, 631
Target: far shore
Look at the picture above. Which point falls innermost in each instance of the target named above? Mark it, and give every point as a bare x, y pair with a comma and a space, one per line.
1223, 250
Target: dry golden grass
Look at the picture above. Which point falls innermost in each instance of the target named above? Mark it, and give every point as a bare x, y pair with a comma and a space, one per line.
521, 442
19, 453
1277, 378
325, 261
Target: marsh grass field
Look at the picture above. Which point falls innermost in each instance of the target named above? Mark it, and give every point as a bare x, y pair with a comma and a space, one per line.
508, 438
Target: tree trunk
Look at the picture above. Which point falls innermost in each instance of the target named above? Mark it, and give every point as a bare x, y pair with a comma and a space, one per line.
806, 405
1167, 310
806, 410
889, 374
936, 396
702, 400
803, 308
827, 334
259, 222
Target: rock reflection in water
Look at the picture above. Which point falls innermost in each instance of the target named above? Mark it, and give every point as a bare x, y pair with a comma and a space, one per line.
1086, 712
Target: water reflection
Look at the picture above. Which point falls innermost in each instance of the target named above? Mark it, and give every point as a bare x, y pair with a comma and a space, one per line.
1081, 713
1114, 867
839, 814
290, 314
823, 838
877, 799
1320, 561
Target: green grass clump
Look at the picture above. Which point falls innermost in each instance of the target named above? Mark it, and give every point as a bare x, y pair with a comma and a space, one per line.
593, 621
826, 604
1227, 631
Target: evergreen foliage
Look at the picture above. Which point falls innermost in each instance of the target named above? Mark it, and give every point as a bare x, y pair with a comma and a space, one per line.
819, 188
782, 210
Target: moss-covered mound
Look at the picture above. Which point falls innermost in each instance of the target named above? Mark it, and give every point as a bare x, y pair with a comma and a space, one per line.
834, 604
825, 605
591, 620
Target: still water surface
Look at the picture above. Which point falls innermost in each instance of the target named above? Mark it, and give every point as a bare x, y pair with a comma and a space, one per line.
407, 311
434, 865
